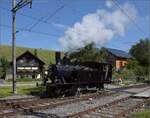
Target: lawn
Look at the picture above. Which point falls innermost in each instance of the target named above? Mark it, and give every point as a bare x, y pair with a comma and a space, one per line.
142, 114
24, 81
21, 90
25, 86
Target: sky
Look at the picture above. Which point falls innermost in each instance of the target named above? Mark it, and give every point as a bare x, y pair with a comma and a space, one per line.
71, 24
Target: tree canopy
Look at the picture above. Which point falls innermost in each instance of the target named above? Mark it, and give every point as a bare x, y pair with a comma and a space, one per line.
140, 53
89, 53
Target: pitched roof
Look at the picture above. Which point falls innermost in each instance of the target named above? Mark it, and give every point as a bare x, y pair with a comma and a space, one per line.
28, 52
118, 53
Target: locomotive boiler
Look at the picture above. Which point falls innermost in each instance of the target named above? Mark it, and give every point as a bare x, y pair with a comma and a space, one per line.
71, 79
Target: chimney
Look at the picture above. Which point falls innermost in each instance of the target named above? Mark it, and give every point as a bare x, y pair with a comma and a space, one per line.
57, 57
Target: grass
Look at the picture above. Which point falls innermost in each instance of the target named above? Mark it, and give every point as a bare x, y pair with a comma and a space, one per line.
22, 90
5, 91
47, 56
27, 82
143, 114
25, 89
24, 81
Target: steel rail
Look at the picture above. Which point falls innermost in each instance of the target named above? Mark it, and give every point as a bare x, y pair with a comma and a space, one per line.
119, 115
88, 111
42, 104
137, 106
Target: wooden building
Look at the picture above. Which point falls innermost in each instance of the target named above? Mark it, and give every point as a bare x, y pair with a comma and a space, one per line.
116, 57
29, 65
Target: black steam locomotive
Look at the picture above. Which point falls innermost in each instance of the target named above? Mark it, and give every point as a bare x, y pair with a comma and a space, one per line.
71, 79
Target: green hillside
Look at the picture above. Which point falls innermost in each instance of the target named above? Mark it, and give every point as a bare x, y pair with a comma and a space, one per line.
48, 56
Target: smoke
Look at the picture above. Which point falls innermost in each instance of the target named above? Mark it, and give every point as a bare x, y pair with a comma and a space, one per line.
99, 27
109, 3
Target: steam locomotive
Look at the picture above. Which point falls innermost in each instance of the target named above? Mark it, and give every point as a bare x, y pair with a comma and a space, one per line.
71, 79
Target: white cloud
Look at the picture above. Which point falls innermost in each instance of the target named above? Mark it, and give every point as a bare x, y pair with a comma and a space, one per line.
99, 27
109, 3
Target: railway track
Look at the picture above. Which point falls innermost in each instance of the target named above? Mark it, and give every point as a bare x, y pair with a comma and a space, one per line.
116, 109
30, 105
20, 106
18, 100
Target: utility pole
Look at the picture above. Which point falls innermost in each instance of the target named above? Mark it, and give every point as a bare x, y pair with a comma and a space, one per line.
15, 8
14, 46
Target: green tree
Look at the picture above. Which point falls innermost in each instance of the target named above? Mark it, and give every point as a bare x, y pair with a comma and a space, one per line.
102, 55
5, 65
89, 53
134, 66
140, 52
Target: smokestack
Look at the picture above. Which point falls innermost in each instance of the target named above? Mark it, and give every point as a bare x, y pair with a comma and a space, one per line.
57, 57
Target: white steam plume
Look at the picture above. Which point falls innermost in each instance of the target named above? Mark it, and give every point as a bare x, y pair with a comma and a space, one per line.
99, 27
109, 3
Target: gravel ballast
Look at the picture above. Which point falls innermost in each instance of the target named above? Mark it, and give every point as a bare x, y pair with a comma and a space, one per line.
72, 108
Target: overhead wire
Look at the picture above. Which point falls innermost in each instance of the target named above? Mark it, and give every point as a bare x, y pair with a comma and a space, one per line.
128, 16
54, 13
21, 14
139, 10
23, 29
28, 29
43, 17
46, 20
35, 18
30, 17
33, 31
